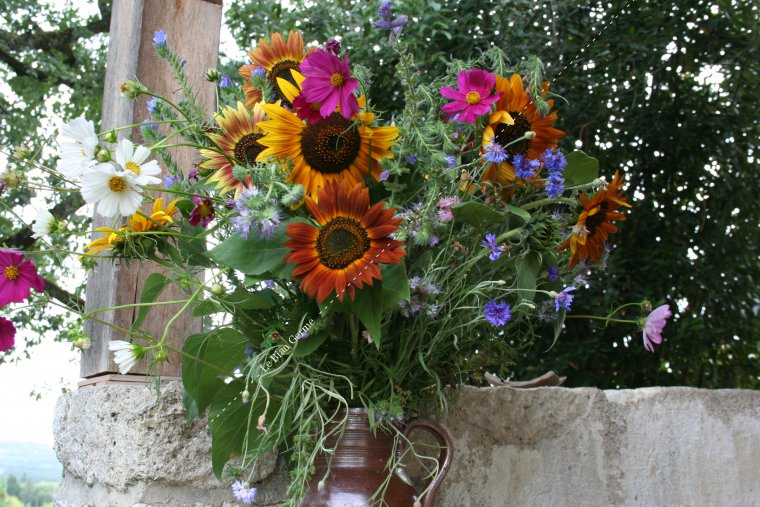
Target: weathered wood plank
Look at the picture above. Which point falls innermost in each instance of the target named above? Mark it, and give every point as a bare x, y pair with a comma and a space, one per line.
192, 28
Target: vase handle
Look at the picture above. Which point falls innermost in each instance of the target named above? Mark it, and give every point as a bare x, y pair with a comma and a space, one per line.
444, 440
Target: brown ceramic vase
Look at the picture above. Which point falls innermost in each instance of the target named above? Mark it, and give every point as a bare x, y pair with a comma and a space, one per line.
358, 466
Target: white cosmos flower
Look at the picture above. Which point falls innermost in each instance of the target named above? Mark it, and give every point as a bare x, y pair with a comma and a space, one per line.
125, 354
115, 192
44, 224
78, 142
131, 159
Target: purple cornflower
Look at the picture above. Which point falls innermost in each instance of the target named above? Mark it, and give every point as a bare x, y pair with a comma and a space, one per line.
395, 25
384, 176
490, 242
152, 103
525, 168
555, 186
498, 313
563, 299
203, 213
170, 180
226, 82
495, 152
159, 38
451, 161
554, 161
259, 71
411, 159
333, 46
243, 492
553, 273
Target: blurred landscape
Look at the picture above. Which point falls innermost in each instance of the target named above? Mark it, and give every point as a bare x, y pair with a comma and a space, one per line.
29, 474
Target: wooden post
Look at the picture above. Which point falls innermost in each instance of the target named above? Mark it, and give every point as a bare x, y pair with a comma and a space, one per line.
192, 28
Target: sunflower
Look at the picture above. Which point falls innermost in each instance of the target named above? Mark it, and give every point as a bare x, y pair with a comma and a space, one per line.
515, 115
595, 222
333, 149
278, 58
239, 142
345, 251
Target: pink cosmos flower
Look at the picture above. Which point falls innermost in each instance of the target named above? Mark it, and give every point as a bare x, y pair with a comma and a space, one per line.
7, 334
474, 96
17, 277
328, 80
653, 326
306, 110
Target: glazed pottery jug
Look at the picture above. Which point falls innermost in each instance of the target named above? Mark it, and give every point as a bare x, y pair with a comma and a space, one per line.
358, 466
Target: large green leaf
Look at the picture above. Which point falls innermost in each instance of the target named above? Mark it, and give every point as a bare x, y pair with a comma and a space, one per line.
395, 285
254, 256
152, 288
528, 267
581, 169
476, 214
310, 344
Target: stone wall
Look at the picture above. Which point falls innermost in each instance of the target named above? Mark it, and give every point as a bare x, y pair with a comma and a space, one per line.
122, 445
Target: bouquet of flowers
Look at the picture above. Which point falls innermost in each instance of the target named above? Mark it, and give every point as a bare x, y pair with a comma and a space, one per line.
339, 258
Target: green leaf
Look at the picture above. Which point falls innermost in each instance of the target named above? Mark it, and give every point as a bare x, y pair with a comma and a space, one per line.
153, 287
259, 300
518, 211
581, 169
310, 344
558, 326
206, 307
209, 359
368, 307
395, 285
476, 214
254, 256
528, 267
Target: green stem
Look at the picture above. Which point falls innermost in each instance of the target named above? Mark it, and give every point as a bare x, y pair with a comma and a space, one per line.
606, 319
541, 202
180, 312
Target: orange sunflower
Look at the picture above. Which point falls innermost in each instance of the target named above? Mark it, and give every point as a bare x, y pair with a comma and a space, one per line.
515, 115
595, 222
343, 253
278, 58
333, 149
138, 222
239, 142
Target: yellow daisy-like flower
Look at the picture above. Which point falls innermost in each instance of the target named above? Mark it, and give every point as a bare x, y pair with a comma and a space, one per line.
515, 115
278, 57
331, 150
137, 223
239, 141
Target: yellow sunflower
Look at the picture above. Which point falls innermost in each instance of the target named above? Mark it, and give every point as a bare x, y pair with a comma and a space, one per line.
239, 142
515, 115
333, 149
346, 250
278, 57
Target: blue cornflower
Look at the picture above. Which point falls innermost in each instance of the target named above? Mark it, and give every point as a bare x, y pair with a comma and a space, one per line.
495, 152
243, 492
259, 71
384, 176
411, 159
171, 180
554, 161
563, 299
226, 82
152, 103
553, 273
498, 313
148, 124
451, 161
490, 242
159, 38
555, 186
525, 168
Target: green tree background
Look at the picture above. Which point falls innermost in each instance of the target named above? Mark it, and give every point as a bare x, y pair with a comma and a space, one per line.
663, 90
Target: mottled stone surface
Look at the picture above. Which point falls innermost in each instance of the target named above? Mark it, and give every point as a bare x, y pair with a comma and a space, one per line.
123, 446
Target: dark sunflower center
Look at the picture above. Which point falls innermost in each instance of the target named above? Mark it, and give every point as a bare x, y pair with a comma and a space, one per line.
248, 148
341, 242
331, 145
597, 219
506, 134
282, 70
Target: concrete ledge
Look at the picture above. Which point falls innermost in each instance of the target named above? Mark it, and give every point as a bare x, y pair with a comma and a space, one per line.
123, 446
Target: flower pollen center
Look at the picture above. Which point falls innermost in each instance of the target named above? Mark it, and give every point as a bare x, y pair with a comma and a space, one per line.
11, 273
506, 134
117, 184
248, 148
282, 70
473, 98
133, 167
595, 220
204, 210
342, 241
337, 79
332, 145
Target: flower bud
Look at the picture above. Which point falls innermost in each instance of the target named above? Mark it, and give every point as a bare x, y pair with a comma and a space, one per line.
530, 134
22, 152
417, 504
465, 176
320, 485
132, 89
213, 76
246, 397
110, 136
552, 294
240, 173
275, 335
217, 289
11, 179
82, 342
103, 156
294, 195
646, 306
161, 356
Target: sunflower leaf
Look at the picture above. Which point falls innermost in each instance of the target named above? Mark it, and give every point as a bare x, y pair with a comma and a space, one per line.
476, 214
255, 256
528, 268
581, 169
395, 285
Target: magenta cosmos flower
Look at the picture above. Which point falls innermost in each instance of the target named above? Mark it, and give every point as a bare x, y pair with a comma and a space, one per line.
17, 277
328, 80
474, 96
653, 326
7, 334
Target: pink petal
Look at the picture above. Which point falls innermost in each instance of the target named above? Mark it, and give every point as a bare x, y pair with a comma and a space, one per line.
453, 107
329, 105
451, 93
349, 106
463, 82
7, 334
660, 313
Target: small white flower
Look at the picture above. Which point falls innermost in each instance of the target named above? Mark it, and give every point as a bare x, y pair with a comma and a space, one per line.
78, 142
131, 159
115, 192
44, 224
125, 354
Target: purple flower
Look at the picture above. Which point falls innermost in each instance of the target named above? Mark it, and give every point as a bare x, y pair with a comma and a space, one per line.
411, 159
525, 168
554, 161
159, 38
333, 46
203, 213
268, 284
152, 103
170, 180
653, 326
434, 240
385, 10
451, 161
384, 176
226, 82
495, 152
193, 175
147, 123
553, 273
555, 186
329, 82
249, 351
490, 242
395, 25
243, 492
302, 335
563, 299
259, 72
498, 313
